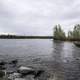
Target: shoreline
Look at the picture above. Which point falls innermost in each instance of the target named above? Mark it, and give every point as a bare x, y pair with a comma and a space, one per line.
24, 37
36, 37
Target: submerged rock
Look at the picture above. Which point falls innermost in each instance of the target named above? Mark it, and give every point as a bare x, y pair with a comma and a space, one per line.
2, 67
2, 63
14, 62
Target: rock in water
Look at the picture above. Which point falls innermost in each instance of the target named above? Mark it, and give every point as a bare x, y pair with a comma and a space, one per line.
39, 72
2, 63
14, 61
2, 67
29, 71
23, 69
14, 75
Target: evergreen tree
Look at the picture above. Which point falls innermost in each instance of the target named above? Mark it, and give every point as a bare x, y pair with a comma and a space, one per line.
58, 33
76, 32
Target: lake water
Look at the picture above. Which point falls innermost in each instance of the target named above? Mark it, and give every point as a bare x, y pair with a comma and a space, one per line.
60, 60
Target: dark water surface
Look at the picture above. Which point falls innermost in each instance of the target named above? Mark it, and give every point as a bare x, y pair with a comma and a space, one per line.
60, 60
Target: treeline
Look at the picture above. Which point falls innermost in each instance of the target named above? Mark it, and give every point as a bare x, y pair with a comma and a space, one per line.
24, 37
11, 37
59, 34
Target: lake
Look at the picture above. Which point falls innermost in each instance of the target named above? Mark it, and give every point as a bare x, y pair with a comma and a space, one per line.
60, 60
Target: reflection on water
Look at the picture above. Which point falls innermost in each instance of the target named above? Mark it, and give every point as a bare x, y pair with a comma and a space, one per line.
61, 60
67, 57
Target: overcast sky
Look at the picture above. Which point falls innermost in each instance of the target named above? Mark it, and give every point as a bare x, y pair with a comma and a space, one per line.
38, 17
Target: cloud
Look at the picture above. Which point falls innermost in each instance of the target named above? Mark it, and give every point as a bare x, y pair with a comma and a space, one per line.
37, 17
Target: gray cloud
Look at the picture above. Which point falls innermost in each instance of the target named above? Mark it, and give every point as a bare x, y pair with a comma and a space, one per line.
37, 17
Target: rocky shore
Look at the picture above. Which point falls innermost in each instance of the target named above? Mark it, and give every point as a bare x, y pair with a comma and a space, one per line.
13, 71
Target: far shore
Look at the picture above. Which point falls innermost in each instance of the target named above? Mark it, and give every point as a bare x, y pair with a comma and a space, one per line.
24, 37
36, 37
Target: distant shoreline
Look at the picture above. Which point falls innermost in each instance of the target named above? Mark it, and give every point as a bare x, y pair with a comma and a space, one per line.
24, 37
35, 37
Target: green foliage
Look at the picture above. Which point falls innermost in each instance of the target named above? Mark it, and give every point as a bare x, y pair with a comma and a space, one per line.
58, 33
75, 34
70, 35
